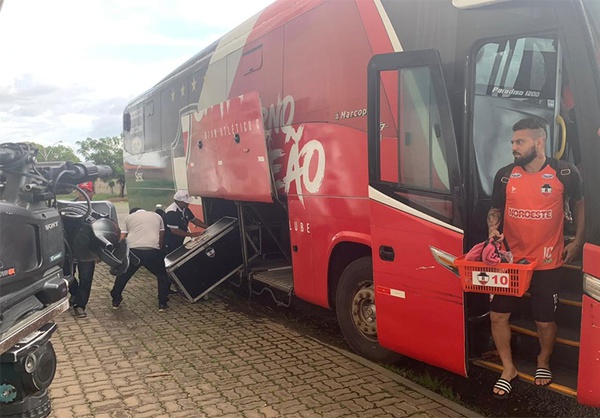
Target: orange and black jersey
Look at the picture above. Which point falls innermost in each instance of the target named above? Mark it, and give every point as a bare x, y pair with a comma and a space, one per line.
533, 208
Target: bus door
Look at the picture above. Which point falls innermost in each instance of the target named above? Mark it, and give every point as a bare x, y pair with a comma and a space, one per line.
415, 198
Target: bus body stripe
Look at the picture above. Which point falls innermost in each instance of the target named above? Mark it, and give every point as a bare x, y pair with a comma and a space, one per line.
377, 196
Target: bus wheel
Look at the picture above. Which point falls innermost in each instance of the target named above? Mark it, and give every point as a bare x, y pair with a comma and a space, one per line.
356, 313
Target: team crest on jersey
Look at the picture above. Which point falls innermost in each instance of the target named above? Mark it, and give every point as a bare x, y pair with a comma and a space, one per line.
515, 175
546, 189
547, 176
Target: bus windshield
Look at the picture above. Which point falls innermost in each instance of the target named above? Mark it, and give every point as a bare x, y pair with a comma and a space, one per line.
592, 8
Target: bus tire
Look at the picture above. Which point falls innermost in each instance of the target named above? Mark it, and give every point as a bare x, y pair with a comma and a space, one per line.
355, 302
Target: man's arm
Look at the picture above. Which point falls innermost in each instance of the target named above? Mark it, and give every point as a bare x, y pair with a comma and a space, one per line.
498, 201
125, 229
494, 219
182, 233
179, 232
199, 223
192, 218
572, 249
161, 239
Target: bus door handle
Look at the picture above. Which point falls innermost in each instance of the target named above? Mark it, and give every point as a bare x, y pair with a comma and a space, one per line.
386, 253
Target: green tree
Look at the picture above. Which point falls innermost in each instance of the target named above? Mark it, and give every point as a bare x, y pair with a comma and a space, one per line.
56, 152
106, 151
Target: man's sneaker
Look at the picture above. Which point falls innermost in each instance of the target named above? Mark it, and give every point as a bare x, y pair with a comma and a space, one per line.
162, 307
116, 303
172, 291
79, 312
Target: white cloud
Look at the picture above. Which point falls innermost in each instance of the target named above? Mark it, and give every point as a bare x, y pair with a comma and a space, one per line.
70, 66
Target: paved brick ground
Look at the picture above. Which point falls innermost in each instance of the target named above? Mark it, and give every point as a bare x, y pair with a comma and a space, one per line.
208, 359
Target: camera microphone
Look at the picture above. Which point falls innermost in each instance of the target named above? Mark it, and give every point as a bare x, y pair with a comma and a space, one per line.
104, 171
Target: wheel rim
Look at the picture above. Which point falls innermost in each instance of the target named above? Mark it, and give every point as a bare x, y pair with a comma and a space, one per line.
364, 315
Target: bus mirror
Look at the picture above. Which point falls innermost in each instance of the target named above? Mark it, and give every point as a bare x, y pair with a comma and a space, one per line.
126, 122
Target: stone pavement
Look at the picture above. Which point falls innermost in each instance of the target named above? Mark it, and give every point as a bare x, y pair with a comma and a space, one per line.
209, 359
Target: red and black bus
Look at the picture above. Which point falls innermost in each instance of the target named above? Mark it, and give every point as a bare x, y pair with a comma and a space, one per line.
357, 141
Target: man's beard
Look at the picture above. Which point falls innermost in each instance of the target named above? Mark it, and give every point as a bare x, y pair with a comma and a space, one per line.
524, 160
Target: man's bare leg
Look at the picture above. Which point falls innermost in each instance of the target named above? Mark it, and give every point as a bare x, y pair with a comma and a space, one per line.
547, 337
501, 334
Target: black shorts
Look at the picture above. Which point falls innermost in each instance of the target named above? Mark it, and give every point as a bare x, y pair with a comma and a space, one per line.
544, 297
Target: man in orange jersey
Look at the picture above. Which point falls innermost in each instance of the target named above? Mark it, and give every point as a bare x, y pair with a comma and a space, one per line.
528, 200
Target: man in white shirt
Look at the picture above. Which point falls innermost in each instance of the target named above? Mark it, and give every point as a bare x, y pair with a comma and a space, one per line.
145, 233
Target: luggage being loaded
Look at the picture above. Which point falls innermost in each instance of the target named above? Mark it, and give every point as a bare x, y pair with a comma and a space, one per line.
204, 262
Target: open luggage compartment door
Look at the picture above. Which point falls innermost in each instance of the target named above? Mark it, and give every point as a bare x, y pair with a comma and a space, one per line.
229, 158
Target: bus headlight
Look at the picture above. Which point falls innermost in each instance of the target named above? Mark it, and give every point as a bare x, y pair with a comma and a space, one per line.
591, 286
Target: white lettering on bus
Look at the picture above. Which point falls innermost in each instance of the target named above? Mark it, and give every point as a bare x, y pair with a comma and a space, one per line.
300, 226
139, 176
275, 116
300, 161
511, 92
347, 114
279, 118
515, 92
231, 129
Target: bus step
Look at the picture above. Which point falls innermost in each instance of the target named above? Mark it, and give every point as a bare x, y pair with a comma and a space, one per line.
570, 298
260, 264
278, 278
564, 381
573, 265
566, 336
527, 347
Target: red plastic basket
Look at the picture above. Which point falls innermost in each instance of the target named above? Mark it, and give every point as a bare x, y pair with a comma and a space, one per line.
502, 279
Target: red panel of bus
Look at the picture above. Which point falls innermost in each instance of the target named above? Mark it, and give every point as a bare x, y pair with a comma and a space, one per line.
588, 382
229, 157
420, 309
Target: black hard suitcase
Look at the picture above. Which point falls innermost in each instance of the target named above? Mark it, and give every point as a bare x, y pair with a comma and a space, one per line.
205, 262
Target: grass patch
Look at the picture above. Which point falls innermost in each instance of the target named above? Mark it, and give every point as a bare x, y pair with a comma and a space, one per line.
424, 379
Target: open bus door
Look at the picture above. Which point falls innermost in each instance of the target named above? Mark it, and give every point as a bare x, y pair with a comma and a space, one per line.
415, 197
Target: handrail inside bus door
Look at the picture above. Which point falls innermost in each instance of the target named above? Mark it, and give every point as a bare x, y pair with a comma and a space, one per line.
563, 137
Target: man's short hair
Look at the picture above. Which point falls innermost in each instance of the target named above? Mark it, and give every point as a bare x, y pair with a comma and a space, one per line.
531, 122
133, 210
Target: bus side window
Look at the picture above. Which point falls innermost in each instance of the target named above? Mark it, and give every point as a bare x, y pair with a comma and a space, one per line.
422, 153
152, 140
413, 158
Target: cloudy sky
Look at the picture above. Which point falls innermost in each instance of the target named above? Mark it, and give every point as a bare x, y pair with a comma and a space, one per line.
69, 67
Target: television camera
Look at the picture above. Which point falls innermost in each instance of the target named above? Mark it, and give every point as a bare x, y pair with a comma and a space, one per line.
40, 239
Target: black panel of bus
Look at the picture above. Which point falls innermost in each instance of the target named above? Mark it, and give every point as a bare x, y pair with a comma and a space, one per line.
203, 263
